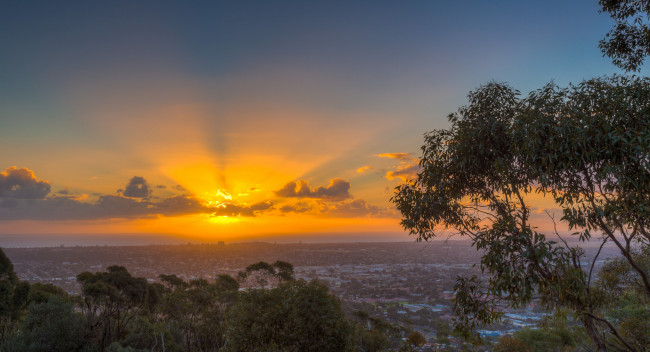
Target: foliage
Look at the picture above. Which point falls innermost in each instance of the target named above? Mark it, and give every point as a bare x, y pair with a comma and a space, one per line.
375, 335
53, 326
624, 302
294, 316
508, 343
264, 273
119, 312
628, 43
143, 334
415, 339
197, 310
13, 299
373, 340
586, 146
111, 300
41, 293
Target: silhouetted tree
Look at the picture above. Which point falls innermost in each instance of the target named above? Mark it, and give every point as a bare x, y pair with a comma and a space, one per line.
586, 146
628, 43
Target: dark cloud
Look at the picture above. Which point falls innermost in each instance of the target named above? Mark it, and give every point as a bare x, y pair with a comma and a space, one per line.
161, 186
296, 208
137, 188
106, 207
22, 184
356, 208
118, 207
180, 205
8, 203
180, 188
132, 204
351, 208
336, 190
325, 201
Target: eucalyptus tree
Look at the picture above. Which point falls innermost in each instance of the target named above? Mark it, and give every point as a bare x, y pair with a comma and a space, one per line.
294, 316
53, 326
13, 299
111, 300
197, 309
263, 274
587, 147
628, 42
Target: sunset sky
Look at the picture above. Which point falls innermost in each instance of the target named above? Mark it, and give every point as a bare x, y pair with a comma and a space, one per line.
242, 120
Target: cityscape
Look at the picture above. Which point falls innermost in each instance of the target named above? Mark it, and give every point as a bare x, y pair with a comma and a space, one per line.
403, 283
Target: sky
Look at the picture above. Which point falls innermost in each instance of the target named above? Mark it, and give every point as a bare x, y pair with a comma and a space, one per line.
252, 120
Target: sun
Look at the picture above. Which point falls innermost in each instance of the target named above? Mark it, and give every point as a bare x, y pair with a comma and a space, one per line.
223, 219
217, 199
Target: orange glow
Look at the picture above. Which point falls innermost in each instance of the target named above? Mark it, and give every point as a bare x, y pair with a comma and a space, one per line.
222, 219
206, 228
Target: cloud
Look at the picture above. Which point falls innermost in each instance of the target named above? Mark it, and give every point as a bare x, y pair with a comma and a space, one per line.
355, 208
351, 208
65, 208
242, 210
23, 197
106, 207
22, 184
300, 207
364, 169
399, 156
405, 172
137, 188
336, 190
333, 200
179, 205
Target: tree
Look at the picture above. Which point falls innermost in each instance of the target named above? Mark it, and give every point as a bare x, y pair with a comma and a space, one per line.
628, 43
13, 298
375, 335
144, 334
508, 343
53, 326
111, 300
294, 316
586, 146
624, 302
264, 273
197, 309
40, 293
413, 340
